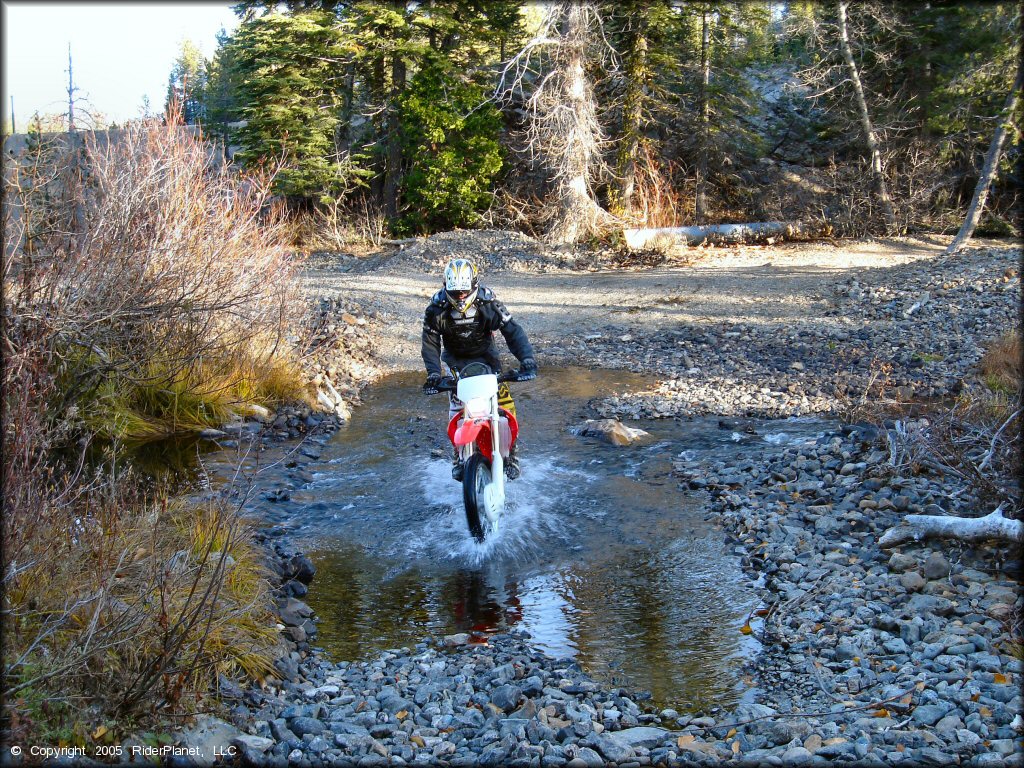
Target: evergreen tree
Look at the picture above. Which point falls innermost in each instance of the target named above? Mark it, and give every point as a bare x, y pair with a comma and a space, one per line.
454, 149
186, 85
641, 32
718, 42
287, 87
221, 97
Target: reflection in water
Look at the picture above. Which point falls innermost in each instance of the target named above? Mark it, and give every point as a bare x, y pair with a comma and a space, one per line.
600, 557
359, 602
476, 608
173, 464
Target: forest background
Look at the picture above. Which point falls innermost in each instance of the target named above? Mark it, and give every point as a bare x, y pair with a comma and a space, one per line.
408, 118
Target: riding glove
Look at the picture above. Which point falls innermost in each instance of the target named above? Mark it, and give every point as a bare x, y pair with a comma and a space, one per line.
430, 385
528, 370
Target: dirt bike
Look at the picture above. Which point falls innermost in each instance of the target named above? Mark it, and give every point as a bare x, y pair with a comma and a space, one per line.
483, 433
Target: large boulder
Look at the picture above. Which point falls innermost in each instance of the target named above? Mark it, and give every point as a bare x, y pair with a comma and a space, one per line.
610, 430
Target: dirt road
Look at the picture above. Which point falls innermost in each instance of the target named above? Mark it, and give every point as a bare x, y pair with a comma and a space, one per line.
768, 285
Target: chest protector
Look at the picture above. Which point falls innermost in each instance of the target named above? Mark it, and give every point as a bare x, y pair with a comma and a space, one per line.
465, 334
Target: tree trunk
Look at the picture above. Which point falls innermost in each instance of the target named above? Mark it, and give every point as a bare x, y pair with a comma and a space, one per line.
377, 99
343, 132
870, 137
637, 77
991, 526
991, 167
393, 162
700, 202
925, 81
760, 231
564, 126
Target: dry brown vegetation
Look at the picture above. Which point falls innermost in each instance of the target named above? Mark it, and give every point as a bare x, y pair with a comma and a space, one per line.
147, 292
977, 438
1001, 366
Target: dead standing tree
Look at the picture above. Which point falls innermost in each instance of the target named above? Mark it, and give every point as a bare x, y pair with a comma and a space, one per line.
870, 136
991, 166
563, 128
836, 43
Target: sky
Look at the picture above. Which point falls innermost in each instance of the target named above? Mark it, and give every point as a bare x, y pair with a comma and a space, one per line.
120, 52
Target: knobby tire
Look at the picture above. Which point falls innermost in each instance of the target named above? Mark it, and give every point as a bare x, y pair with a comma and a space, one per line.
474, 479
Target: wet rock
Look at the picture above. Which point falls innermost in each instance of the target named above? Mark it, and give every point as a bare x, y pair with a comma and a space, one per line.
301, 569
294, 612
610, 430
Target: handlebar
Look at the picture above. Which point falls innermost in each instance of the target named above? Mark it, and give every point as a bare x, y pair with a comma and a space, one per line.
450, 383
447, 384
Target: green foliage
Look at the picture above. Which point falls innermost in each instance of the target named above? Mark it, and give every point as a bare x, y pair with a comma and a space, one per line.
451, 132
351, 93
736, 37
187, 83
325, 89
286, 68
220, 105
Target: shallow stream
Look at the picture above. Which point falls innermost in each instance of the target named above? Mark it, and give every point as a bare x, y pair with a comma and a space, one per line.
601, 556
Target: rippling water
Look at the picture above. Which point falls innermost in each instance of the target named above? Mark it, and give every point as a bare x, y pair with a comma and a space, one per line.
600, 555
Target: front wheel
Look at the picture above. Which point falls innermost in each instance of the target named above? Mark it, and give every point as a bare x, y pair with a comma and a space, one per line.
475, 479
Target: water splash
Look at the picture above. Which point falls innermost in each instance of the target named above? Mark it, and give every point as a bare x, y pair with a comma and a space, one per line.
530, 521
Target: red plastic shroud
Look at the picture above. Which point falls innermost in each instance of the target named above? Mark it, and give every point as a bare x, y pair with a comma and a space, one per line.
480, 431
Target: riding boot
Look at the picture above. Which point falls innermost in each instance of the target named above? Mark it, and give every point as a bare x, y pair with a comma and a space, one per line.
512, 470
457, 465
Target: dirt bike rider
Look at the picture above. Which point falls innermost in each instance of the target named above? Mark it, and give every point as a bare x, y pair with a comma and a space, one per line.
463, 316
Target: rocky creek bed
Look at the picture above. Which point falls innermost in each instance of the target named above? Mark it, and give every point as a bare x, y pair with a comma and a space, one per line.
906, 333
869, 656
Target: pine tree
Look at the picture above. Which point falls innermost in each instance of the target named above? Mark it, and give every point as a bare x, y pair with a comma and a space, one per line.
450, 133
717, 42
287, 70
221, 97
186, 85
641, 32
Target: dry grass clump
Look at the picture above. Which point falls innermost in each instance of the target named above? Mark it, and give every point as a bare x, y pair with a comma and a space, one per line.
359, 227
122, 611
1001, 366
147, 292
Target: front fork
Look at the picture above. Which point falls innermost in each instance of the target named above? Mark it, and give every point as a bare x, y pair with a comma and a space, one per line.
495, 492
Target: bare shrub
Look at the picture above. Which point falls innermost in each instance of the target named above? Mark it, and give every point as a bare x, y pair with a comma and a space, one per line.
147, 292
340, 225
977, 439
149, 272
658, 201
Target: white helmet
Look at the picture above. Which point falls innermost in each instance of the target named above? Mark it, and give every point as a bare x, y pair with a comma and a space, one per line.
460, 283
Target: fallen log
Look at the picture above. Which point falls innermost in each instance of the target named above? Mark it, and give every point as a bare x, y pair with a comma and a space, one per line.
751, 232
991, 526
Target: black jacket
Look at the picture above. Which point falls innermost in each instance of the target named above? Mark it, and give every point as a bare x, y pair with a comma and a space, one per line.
470, 335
